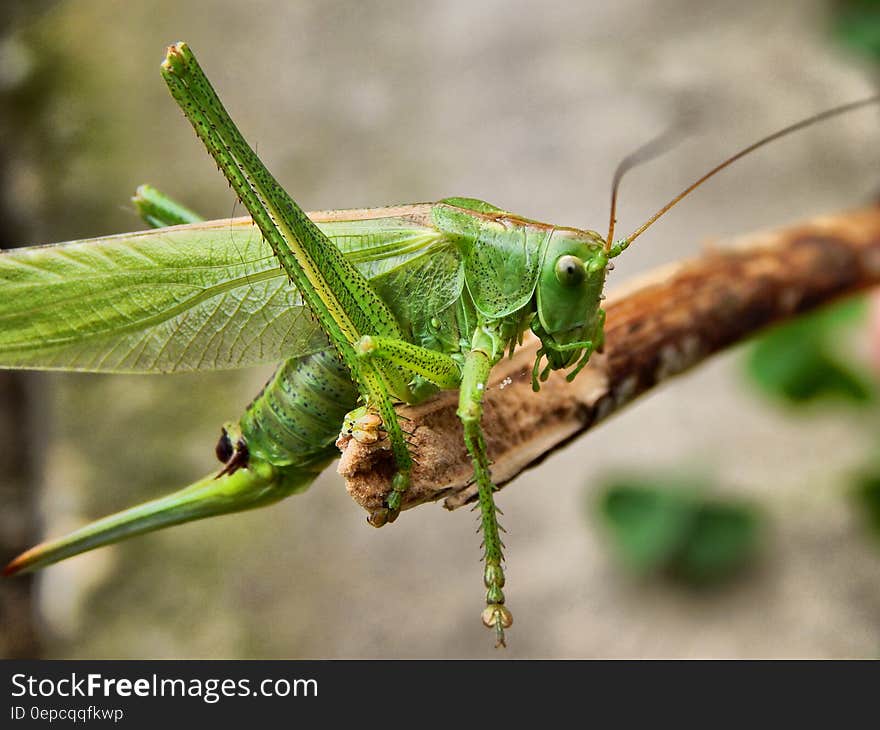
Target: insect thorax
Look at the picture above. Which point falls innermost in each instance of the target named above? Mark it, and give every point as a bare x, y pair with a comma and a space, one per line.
522, 273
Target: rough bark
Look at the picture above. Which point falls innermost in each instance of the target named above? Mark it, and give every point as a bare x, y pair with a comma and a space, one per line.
659, 326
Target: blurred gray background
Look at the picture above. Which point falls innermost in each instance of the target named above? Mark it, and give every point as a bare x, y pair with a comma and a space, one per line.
528, 105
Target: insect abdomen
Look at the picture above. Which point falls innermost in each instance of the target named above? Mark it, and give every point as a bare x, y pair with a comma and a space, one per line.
297, 416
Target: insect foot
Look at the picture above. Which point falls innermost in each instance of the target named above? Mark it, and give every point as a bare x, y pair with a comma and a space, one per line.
496, 616
389, 513
365, 426
362, 425
378, 517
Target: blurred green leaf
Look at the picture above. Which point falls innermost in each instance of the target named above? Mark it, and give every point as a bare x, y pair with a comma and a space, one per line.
799, 362
857, 25
851, 311
722, 539
660, 526
647, 523
867, 496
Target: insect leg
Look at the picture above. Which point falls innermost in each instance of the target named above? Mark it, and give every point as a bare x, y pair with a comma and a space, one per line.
470, 410
259, 485
594, 345
379, 397
339, 296
158, 210
436, 367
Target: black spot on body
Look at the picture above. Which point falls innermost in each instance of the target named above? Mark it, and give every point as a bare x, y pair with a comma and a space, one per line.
224, 448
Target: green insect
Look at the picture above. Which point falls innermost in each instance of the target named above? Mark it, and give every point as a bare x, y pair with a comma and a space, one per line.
368, 309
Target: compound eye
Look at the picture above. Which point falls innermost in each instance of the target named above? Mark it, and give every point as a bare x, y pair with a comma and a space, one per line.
570, 270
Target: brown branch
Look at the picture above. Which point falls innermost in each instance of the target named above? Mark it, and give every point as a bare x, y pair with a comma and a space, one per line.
662, 325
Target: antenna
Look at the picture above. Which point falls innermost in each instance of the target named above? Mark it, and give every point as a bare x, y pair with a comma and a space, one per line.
649, 150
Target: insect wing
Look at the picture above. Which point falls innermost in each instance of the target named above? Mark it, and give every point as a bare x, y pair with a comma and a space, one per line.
206, 296
501, 253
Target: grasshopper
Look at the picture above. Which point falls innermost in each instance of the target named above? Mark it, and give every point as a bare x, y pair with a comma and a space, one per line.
365, 309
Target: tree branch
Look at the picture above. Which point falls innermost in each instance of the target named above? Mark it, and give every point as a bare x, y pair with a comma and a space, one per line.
661, 325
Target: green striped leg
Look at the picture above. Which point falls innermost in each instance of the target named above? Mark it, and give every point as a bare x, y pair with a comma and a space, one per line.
444, 371
158, 210
475, 376
342, 300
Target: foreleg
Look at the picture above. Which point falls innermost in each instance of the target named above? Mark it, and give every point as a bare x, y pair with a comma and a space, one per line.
475, 376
